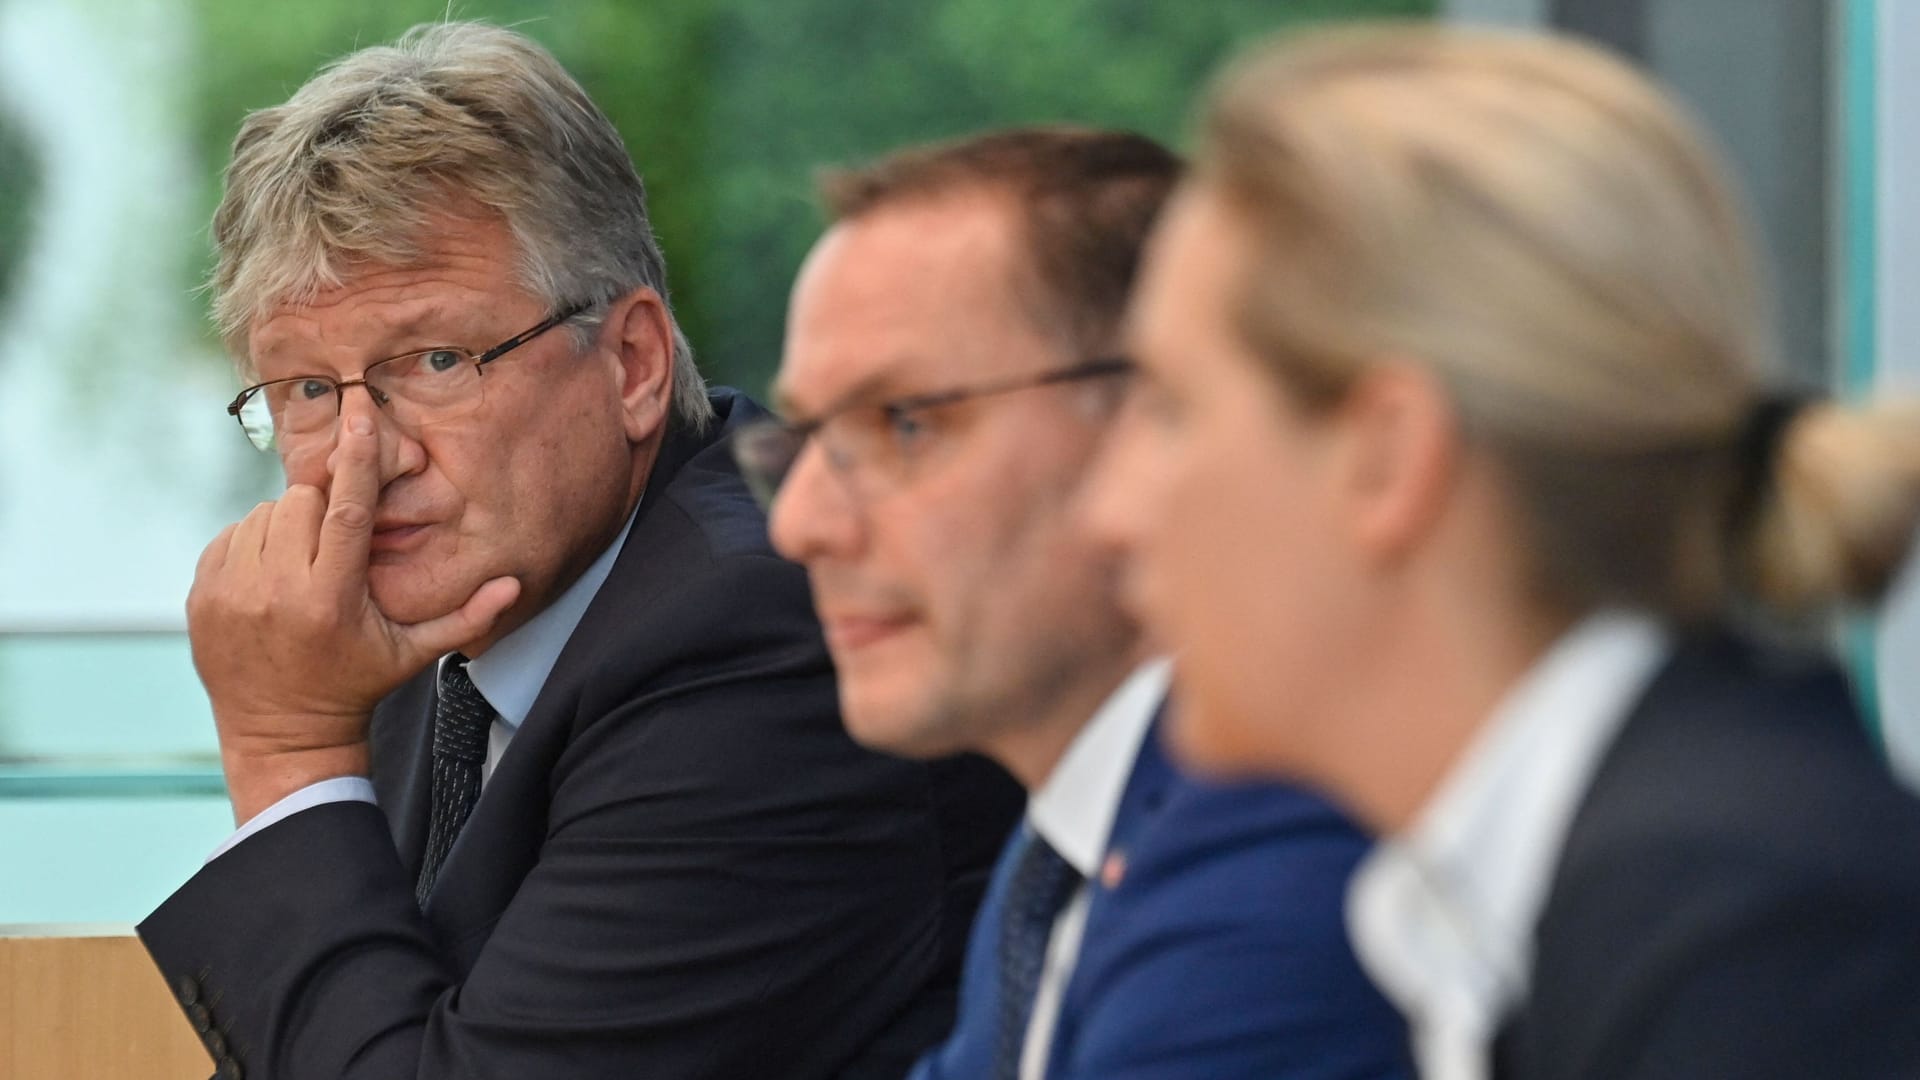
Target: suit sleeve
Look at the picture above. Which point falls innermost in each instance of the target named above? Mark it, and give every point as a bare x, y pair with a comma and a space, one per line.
1225, 955
727, 887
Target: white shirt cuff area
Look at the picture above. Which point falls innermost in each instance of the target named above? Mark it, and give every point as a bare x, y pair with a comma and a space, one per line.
338, 789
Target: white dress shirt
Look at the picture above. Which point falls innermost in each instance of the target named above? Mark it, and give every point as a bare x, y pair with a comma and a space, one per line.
509, 676
1073, 812
1442, 916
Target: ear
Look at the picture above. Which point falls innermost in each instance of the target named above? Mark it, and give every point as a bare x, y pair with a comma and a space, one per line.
1401, 438
639, 331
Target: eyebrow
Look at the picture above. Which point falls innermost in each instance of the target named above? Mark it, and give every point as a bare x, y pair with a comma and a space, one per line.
411, 328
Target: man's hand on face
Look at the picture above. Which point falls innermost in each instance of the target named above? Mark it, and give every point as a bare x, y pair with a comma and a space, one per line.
288, 642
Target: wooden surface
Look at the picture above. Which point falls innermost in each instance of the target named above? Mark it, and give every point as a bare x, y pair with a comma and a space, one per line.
85, 1003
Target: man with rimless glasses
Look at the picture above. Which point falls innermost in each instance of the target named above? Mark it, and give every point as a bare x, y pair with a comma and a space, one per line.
950, 370
416, 388
531, 739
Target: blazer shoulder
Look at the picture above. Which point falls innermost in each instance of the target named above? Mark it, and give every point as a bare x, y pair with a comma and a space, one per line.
1253, 848
696, 492
1740, 838
699, 548
1749, 754
708, 499
1221, 948
697, 593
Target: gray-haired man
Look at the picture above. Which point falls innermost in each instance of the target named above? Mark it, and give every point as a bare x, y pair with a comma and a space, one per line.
531, 738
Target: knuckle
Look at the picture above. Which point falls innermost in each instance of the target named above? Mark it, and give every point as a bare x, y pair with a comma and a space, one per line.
351, 515
310, 619
256, 605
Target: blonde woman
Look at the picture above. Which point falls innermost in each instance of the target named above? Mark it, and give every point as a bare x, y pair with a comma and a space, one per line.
1454, 465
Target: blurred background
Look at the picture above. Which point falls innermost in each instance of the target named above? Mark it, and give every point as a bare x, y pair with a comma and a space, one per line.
118, 464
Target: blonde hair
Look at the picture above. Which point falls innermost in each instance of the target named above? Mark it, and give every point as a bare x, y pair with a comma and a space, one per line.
351, 167
1536, 222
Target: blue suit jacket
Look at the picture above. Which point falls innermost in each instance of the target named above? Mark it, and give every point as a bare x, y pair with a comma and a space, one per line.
1216, 946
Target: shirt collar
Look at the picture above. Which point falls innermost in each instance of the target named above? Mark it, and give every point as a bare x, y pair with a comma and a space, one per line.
1073, 811
510, 674
1443, 915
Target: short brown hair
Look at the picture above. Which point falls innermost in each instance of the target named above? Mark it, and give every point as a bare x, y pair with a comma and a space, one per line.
1084, 200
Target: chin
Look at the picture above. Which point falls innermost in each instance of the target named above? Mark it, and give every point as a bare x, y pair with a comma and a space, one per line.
891, 723
403, 597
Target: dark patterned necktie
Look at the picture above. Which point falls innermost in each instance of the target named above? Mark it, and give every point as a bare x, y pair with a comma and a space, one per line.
461, 721
1041, 885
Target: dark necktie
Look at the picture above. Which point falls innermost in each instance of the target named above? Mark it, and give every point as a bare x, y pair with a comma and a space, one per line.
1041, 884
461, 721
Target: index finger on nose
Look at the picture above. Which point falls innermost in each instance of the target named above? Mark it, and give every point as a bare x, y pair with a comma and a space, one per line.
347, 530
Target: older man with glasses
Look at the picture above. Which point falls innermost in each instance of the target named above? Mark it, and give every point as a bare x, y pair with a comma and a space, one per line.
531, 738
949, 372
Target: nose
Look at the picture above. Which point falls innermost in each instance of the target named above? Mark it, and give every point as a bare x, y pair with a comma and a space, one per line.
373, 393
401, 453
813, 514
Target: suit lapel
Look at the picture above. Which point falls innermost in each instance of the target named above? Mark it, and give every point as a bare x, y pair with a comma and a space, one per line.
501, 841
1148, 786
401, 740
1146, 791
635, 579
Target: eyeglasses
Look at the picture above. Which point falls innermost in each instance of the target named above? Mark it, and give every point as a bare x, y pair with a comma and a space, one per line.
416, 388
874, 445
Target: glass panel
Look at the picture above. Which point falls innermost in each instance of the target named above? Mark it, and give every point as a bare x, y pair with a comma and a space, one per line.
102, 700
109, 787
102, 859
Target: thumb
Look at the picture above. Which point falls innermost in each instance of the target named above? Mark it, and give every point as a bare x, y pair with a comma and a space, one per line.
425, 641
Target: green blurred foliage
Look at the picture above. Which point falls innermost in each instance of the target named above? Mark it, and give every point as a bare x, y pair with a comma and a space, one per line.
19, 185
730, 106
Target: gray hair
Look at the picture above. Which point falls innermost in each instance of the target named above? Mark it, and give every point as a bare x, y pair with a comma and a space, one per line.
350, 168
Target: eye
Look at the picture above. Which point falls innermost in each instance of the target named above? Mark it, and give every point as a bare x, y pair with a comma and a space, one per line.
312, 390
441, 361
907, 428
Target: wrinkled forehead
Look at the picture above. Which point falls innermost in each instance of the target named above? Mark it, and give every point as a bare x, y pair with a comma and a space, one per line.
457, 247
311, 335
465, 281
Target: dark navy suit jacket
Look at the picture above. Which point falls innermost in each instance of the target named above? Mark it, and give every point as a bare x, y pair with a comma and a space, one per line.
1739, 894
1216, 947
683, 867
